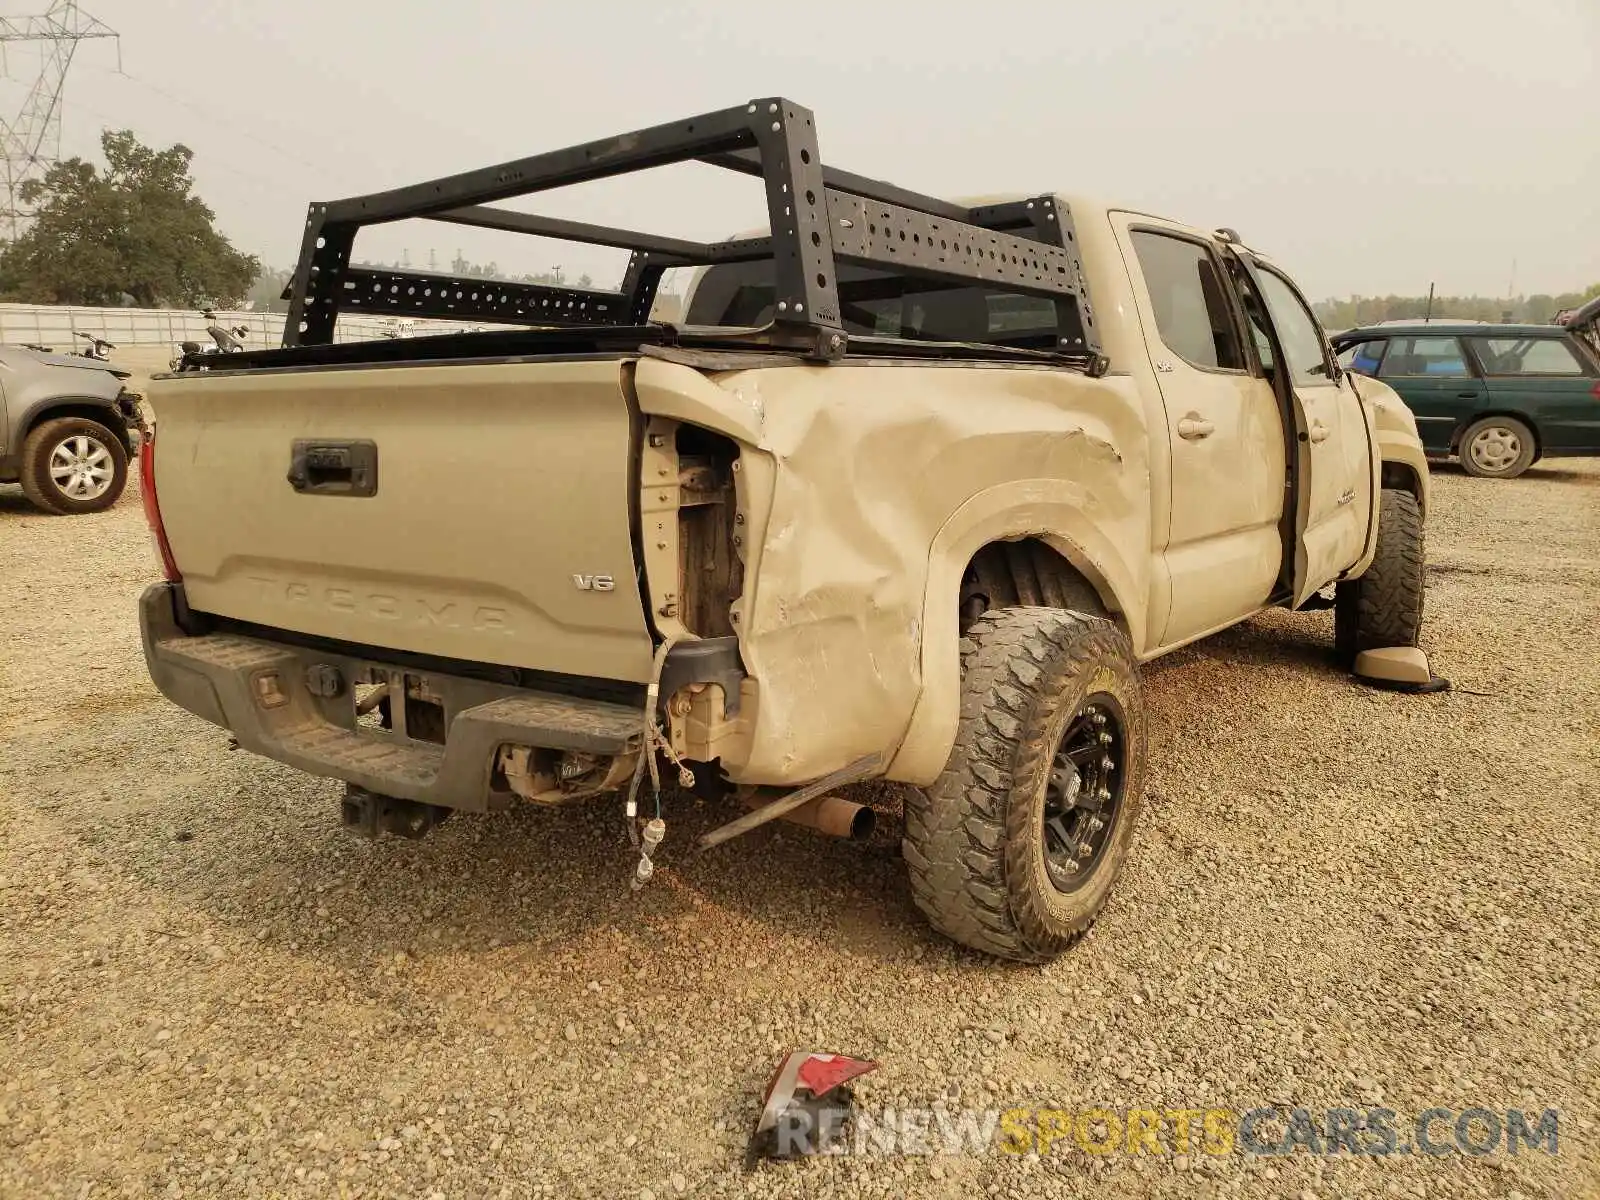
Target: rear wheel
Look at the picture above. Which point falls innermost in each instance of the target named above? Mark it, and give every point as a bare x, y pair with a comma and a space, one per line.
1384, 606
73, 465
1497, 448
1014, 848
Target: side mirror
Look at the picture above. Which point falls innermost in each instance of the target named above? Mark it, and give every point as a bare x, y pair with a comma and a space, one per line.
1333, 370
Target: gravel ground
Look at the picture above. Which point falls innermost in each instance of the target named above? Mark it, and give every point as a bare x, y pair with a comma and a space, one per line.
1338, 897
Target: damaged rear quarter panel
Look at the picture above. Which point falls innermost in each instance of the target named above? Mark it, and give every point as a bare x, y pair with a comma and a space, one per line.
867, 480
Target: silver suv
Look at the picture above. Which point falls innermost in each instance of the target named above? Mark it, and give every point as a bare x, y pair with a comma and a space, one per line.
67, 429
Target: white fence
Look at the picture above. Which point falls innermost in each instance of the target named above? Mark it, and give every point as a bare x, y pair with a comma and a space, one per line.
58, 326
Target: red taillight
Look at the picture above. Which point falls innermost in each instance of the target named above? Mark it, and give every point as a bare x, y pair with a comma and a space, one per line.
1595, 391
152, 508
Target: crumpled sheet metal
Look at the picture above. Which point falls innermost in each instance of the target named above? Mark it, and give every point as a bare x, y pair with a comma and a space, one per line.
866, 488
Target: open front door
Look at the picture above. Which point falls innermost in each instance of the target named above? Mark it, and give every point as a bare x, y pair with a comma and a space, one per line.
1326, 524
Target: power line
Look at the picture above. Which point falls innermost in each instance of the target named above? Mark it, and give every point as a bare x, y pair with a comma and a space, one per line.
267, 181
275, 184
201, 111
212, 159
207, 114
32, 139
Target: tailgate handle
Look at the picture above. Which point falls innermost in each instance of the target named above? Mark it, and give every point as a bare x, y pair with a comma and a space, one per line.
334, 468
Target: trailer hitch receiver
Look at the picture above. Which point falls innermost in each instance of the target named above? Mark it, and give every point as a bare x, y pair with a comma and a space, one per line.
370, 814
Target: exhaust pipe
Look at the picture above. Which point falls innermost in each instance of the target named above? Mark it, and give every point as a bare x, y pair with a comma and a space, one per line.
831, 815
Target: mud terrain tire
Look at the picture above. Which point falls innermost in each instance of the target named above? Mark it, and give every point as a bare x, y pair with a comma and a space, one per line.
1384, 606
1037, 683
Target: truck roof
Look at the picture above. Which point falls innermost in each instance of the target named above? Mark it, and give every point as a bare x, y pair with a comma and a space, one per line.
1087, 205
1082, 206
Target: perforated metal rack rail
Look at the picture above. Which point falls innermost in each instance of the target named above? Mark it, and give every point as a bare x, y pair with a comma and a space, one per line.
819, 217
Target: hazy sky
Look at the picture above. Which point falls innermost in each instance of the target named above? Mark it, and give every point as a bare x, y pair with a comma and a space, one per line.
1372, 146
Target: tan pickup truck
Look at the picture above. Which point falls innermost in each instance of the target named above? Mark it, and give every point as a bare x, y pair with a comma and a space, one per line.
909, 493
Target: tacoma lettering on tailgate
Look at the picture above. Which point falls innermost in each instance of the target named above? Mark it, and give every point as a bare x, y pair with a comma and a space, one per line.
435, 612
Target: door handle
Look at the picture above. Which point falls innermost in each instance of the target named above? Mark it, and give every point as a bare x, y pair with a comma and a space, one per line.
343, 468
1466, 395
1193, 427
1319, 432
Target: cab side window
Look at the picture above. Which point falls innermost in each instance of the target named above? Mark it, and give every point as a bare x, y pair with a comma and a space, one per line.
1191, 307
1254, 315
1297, 330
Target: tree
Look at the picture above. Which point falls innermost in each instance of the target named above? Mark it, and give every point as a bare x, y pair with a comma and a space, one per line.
266, 294
1369, 310
133, 231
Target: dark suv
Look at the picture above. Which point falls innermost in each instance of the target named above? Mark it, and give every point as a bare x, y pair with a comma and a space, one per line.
1498, 396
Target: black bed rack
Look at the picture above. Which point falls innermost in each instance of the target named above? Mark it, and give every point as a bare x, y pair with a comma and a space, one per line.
818, 217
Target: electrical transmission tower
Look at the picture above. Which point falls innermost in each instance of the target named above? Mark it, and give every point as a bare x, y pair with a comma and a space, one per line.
32, 139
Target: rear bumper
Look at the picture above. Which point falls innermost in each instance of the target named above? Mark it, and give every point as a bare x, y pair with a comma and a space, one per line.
261, 692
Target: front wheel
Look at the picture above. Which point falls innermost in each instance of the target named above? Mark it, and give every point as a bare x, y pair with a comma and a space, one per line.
1383, 607
1014, 848
1497, 448
73, 465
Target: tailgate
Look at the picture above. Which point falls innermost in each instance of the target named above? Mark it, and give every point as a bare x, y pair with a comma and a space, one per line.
501, 506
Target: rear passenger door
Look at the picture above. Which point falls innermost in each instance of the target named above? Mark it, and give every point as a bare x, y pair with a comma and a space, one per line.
1544, 380
1439, 384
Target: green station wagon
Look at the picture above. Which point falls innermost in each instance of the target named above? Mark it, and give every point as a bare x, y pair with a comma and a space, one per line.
1497, 396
